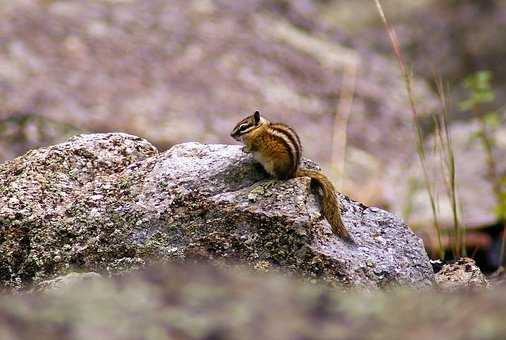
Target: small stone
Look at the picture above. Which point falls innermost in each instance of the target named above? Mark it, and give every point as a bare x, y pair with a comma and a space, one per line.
462, 274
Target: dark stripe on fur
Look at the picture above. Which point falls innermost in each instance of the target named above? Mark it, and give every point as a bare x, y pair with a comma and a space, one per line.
294, 139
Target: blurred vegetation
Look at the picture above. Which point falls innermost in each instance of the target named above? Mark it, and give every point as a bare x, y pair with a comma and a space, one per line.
480, 93
479, 86
22, 131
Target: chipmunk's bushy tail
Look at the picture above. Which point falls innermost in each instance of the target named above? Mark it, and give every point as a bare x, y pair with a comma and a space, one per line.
331, 209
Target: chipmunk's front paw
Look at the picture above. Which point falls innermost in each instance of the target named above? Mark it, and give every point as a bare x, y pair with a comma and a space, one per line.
245, 149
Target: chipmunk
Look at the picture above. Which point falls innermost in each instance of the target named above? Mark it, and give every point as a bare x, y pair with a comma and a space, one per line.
278, 149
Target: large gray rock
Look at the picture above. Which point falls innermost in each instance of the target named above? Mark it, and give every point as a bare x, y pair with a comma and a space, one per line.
111, 203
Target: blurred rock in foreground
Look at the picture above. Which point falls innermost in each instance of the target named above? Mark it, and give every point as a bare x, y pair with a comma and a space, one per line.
111, 203
200, 302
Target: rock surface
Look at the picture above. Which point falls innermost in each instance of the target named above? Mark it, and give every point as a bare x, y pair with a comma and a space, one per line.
111, 203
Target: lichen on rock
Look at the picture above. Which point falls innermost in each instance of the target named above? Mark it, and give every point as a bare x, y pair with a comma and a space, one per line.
110, 203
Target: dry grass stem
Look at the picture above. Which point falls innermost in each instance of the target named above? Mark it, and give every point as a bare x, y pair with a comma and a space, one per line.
408, 82
341, 118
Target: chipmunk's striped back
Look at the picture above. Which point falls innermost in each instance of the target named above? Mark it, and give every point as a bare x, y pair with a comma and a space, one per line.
291, 142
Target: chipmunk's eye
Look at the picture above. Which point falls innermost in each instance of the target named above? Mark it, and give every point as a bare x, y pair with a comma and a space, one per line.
243, 127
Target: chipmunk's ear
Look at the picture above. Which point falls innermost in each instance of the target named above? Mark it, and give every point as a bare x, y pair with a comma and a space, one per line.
256, 115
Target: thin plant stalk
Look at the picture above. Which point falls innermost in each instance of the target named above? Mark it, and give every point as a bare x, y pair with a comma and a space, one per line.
503, 243
408, 82
342, 116
494, 178
449, 161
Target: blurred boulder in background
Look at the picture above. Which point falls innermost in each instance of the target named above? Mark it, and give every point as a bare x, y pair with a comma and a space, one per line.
22, 131
449, 38
174, 71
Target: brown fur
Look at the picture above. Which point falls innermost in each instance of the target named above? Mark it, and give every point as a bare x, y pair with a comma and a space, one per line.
277, 147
